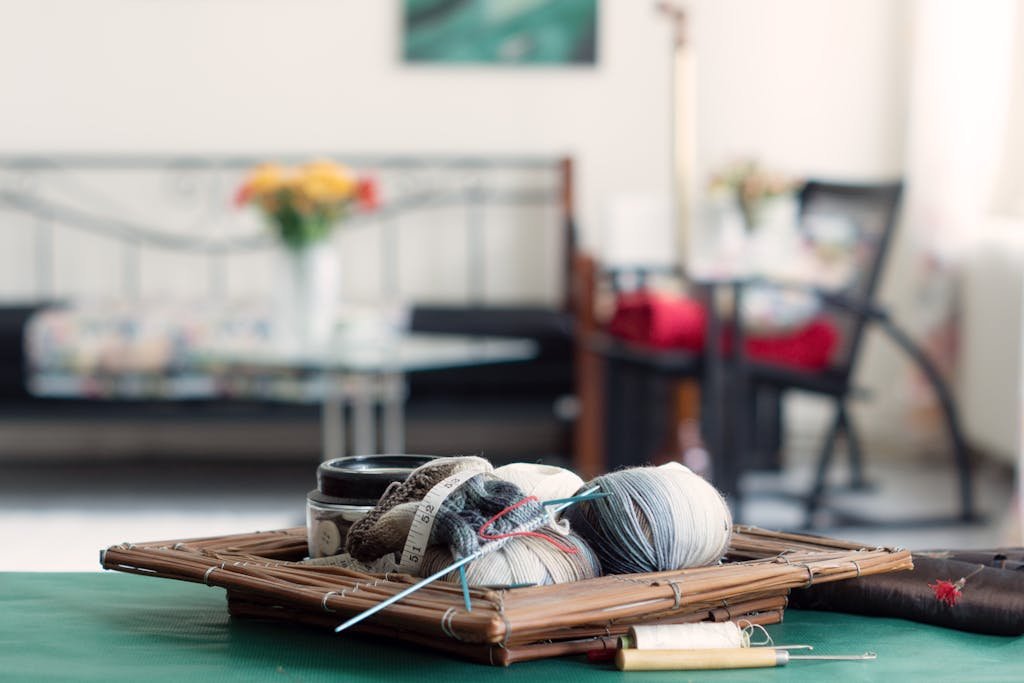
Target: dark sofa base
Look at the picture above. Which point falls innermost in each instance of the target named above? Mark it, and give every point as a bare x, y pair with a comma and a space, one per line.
505, 431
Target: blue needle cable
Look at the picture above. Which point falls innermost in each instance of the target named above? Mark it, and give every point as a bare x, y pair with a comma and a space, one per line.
465, 588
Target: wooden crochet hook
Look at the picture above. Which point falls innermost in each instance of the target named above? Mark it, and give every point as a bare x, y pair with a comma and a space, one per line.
720, 658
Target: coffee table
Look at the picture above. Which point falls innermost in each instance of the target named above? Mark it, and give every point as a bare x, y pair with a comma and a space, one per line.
359, 372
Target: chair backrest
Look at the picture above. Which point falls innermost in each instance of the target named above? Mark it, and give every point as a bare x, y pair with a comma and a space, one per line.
867, 214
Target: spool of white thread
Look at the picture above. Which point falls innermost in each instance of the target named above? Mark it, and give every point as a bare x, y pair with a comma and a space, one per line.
546, 482
702, 636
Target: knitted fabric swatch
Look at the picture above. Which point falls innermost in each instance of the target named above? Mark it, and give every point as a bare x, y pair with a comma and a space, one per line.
384, 528
466, 511
459, 519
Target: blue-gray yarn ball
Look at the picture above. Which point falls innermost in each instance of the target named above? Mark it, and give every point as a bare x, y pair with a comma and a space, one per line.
657, 519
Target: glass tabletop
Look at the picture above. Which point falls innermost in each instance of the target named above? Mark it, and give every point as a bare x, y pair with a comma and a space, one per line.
384, 353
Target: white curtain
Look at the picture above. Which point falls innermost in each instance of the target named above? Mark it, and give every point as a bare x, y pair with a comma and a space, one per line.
1008, 199
965, 151
965, 202
959, 73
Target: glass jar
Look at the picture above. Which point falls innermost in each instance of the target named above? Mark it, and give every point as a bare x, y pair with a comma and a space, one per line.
347, 489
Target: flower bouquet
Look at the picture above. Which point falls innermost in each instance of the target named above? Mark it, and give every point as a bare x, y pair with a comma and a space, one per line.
752, 188
304, 206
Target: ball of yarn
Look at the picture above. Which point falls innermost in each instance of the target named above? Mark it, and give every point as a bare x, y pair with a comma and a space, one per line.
523, 559
657, 519
546, 482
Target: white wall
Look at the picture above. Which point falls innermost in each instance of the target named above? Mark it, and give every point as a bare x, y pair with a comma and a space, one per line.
808, 86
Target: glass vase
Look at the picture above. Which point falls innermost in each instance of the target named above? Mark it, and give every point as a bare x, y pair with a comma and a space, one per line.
306, 297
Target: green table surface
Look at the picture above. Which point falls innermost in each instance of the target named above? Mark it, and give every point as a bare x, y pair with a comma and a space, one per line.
118, 627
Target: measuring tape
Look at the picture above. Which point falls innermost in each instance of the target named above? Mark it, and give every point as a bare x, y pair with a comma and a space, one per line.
423, 521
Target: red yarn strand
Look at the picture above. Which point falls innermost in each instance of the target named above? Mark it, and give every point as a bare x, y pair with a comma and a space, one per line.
482, 532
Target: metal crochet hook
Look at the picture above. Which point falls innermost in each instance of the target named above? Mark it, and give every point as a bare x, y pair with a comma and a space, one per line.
437, 575
835, 658
723, 658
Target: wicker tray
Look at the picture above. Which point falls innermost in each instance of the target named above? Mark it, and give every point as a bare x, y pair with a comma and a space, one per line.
264, 579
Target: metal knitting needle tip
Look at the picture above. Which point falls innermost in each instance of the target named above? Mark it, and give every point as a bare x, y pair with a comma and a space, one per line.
838, 658
575, 499
792, 647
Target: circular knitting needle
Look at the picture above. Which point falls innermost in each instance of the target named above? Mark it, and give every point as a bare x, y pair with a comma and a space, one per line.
437, 575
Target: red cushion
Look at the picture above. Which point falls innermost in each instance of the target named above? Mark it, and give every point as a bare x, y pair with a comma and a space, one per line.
809, 347
665, 321
659, 320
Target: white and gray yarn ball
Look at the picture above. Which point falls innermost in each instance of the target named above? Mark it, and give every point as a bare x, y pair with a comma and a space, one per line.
546, 482
657, 519
522, 560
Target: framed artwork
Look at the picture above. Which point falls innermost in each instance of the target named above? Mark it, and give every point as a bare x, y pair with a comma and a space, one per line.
541, 32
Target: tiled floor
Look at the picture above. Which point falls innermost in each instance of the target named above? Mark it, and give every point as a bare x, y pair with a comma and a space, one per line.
56, 518
910, 503
59, 517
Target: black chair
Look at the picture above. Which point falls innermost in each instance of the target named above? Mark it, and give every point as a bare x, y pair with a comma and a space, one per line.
639, 383
741, 397
640, 387
872, 211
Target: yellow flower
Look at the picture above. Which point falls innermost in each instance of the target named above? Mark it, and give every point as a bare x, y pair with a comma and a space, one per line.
319, 188
317, 191
266, 179
325, 181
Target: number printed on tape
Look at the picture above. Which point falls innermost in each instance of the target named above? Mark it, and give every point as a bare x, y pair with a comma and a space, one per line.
423, 521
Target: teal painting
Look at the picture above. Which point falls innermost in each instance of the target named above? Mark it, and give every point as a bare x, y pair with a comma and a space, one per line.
500, 31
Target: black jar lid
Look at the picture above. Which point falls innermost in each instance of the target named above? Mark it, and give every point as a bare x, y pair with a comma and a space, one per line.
362, 479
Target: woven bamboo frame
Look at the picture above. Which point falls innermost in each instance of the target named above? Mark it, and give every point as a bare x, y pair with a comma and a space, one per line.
264, 578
